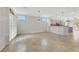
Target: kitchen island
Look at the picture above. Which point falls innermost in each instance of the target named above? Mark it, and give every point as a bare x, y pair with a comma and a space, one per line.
61, 30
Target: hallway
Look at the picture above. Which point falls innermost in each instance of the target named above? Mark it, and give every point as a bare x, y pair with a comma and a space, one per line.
42, 42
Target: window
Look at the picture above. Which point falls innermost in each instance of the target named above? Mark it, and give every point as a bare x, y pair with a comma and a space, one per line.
44, 19
21, 18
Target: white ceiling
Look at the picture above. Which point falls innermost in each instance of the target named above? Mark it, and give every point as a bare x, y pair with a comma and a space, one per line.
53, 12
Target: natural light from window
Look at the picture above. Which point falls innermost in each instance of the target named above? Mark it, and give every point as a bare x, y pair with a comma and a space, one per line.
21, 18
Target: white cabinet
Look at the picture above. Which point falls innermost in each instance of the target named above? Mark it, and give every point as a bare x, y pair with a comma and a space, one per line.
61, 30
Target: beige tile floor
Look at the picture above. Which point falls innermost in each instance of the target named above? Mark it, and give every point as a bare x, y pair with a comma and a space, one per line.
43, 42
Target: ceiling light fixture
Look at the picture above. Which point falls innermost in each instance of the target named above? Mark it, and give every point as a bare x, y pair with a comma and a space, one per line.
39, 15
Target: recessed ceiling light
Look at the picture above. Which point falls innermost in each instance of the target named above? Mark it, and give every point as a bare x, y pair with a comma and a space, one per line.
72, 12
38, 11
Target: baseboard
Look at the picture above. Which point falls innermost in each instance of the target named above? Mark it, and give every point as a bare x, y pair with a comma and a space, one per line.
31, 33
4, 48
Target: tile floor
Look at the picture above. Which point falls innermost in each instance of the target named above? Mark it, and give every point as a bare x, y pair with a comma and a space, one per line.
43, 42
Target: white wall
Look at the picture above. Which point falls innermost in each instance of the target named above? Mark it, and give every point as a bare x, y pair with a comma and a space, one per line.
32, 25
13, 26
4, 27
